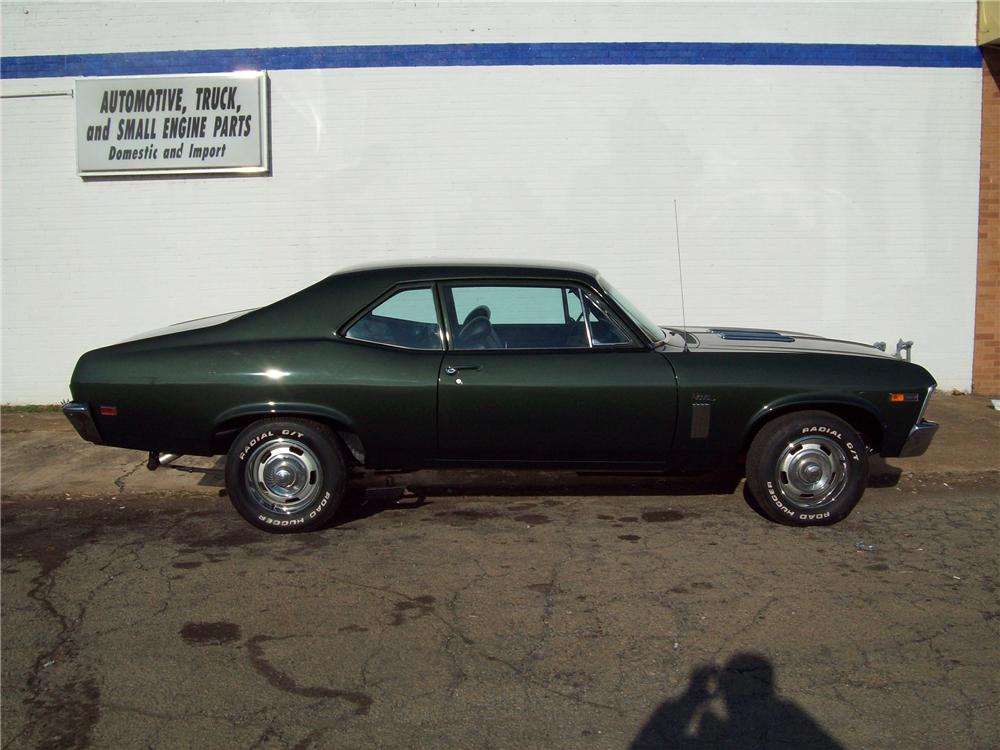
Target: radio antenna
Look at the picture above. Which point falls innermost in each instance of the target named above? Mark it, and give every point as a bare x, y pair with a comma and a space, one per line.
680, 275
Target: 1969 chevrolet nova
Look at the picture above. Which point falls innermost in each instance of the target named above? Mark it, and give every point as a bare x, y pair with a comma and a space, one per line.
472, 364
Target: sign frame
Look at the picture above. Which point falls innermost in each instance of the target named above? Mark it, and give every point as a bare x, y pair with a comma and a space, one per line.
263, 92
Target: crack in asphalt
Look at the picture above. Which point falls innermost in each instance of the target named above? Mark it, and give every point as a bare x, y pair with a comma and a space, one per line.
287, 684
75, 700
489, 657
120, 481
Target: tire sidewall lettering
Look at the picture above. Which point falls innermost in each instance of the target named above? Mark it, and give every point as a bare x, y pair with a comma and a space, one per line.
254, 441
319, 506
280, 521
773, 494
854, 453
813, 516
823, 430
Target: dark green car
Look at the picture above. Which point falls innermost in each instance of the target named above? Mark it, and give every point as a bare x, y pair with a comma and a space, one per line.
497, 365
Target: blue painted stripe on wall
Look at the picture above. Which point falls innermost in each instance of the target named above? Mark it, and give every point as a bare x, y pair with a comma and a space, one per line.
448, 55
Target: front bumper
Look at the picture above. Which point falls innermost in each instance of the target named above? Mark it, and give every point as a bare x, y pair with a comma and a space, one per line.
82, 420
919, 439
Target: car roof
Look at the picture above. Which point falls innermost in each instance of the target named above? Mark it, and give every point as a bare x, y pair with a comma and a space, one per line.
334, 300
464, 268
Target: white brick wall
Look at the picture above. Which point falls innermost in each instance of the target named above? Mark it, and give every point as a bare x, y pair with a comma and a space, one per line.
836, 200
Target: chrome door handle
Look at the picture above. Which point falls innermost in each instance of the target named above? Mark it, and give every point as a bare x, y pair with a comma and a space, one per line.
453, 369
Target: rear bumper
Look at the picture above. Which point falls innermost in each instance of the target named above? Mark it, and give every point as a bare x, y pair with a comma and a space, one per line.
920, 438
82, 420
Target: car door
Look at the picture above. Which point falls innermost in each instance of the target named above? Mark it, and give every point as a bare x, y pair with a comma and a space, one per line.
529, 377
388, 382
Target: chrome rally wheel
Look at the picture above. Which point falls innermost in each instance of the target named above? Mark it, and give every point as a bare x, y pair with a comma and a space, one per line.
811, 472
283, 476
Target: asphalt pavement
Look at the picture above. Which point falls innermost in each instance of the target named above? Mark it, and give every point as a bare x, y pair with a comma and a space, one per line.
498, 609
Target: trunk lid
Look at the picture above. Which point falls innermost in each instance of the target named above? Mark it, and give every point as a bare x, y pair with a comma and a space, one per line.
188, 325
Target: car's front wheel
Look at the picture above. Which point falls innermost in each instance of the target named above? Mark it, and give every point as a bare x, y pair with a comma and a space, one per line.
286, 475
807, 468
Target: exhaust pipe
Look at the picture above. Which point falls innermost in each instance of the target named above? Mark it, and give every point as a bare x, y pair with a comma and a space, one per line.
157, 459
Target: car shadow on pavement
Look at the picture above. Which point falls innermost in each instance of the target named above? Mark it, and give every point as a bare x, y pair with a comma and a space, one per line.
528, 482
376, 492
881, 474
359, 504
734, 706
215, 476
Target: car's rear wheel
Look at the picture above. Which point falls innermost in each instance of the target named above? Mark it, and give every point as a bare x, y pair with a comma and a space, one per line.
807, 468
286, 475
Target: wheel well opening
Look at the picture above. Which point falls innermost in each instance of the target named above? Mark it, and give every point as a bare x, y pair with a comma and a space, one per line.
864, 422
226, 432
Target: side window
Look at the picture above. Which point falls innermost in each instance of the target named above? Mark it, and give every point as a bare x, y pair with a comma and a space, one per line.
574, 304
605, 330
511, 316
511, 304
407, 319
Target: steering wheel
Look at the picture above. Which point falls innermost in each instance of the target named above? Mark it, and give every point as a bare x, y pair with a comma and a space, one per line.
478, 333
480, 311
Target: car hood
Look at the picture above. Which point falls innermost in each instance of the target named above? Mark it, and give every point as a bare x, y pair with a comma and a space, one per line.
189, 325
723, 339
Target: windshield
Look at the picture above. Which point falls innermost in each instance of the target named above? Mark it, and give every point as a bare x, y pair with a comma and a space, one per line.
653, 331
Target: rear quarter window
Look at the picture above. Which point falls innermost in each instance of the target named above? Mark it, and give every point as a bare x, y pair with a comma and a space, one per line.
407, 319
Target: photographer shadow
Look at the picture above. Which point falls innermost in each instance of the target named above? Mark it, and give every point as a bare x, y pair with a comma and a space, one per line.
752, 715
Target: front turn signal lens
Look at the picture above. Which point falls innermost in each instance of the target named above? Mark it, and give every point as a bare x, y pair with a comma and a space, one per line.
897, 398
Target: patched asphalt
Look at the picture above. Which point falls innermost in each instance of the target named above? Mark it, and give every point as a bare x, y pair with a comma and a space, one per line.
551, 612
